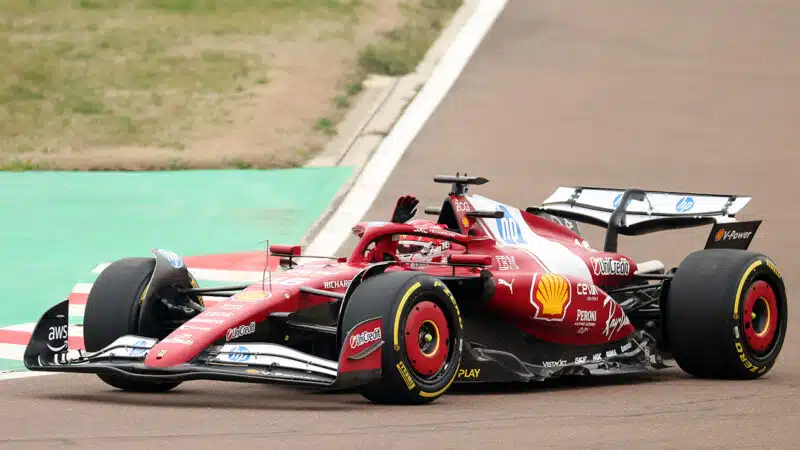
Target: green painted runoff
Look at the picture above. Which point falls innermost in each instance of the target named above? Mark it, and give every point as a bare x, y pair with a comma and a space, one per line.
56, 226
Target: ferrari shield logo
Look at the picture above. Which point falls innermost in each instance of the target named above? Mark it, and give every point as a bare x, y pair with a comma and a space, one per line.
551, 295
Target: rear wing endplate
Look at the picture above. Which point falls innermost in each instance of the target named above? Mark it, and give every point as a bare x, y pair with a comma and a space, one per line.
635, 211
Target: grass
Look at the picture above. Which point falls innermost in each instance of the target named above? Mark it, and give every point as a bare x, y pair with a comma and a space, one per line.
400, 50
124, 75
110, 73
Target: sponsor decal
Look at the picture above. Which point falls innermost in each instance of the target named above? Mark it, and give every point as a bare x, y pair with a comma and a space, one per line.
231, 306
586, 318
337, 284
611, 353
241, 330
626, 347
617, 200
465, 222
558, 363
200, 319
508, 229
684, 204
746, 361
505, 283
192, 327
506, 263
469, 374
551, 296
401, 368
434, 230
219, 314
597, 357
365, 337
251, 296
183, 339
239, 354
774, 268
462, 206
141, 350
731, 235
587, 290
582, 330
58, 334
610, 266
452, 300
616, 320
173, 258
581, 359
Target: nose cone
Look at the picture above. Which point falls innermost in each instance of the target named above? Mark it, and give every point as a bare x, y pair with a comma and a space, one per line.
213, 324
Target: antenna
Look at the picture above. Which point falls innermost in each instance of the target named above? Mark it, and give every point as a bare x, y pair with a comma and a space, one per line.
267, 268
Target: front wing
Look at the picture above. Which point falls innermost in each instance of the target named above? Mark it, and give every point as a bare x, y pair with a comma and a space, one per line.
250, 362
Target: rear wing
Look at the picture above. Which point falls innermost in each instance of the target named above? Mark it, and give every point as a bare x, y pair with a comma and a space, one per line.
635, 212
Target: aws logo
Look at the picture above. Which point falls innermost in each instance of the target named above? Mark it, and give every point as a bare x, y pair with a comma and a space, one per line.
551, 295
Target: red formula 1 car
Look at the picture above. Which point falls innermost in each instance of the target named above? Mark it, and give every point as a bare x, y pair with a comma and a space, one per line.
485, 293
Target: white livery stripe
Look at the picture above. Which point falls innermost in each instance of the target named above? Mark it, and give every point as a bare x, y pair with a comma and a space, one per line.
513, 231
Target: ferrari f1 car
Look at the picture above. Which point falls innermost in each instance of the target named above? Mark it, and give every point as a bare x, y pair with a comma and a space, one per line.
484, 293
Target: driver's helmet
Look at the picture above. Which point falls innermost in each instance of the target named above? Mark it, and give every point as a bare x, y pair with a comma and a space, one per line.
422, 249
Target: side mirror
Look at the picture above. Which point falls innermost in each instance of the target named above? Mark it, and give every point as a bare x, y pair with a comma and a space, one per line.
470, 260
285, 250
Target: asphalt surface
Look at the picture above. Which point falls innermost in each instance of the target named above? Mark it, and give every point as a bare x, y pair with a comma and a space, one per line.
680, 95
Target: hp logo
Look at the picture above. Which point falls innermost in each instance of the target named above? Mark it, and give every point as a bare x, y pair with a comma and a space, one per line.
139, 351
618, 198
684, 204
241, 356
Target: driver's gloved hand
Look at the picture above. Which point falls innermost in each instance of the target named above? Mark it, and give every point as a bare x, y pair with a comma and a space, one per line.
405, 209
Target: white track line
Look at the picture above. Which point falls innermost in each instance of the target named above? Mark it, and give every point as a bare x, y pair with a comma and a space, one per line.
11, 351
82, 288
371, 180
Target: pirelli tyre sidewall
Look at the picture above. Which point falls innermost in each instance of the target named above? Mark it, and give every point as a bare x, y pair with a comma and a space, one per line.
711, 314
414, 302
113, 309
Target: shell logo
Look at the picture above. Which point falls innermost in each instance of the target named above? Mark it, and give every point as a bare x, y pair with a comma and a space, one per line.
720, 234
552, 295
465, 222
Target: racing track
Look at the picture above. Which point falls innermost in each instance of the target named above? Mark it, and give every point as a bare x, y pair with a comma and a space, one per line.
663, 94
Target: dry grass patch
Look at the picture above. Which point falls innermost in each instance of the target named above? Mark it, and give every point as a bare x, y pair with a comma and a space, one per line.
168, 84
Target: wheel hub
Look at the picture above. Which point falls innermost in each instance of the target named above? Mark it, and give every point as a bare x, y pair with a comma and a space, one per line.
760, 318
427, 338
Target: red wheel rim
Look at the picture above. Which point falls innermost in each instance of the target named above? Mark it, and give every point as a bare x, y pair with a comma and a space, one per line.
427, 338
760, 318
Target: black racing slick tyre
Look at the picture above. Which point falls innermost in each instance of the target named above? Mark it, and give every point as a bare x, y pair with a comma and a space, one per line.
112, 310
726, 314
423, 335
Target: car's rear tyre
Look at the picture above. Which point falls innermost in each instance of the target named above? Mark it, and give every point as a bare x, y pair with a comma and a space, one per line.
113, 309
422, 335
726, 314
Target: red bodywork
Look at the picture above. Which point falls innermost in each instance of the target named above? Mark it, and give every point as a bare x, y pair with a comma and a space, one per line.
548, 281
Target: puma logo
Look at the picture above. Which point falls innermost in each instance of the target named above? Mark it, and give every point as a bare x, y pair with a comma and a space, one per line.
506, 283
